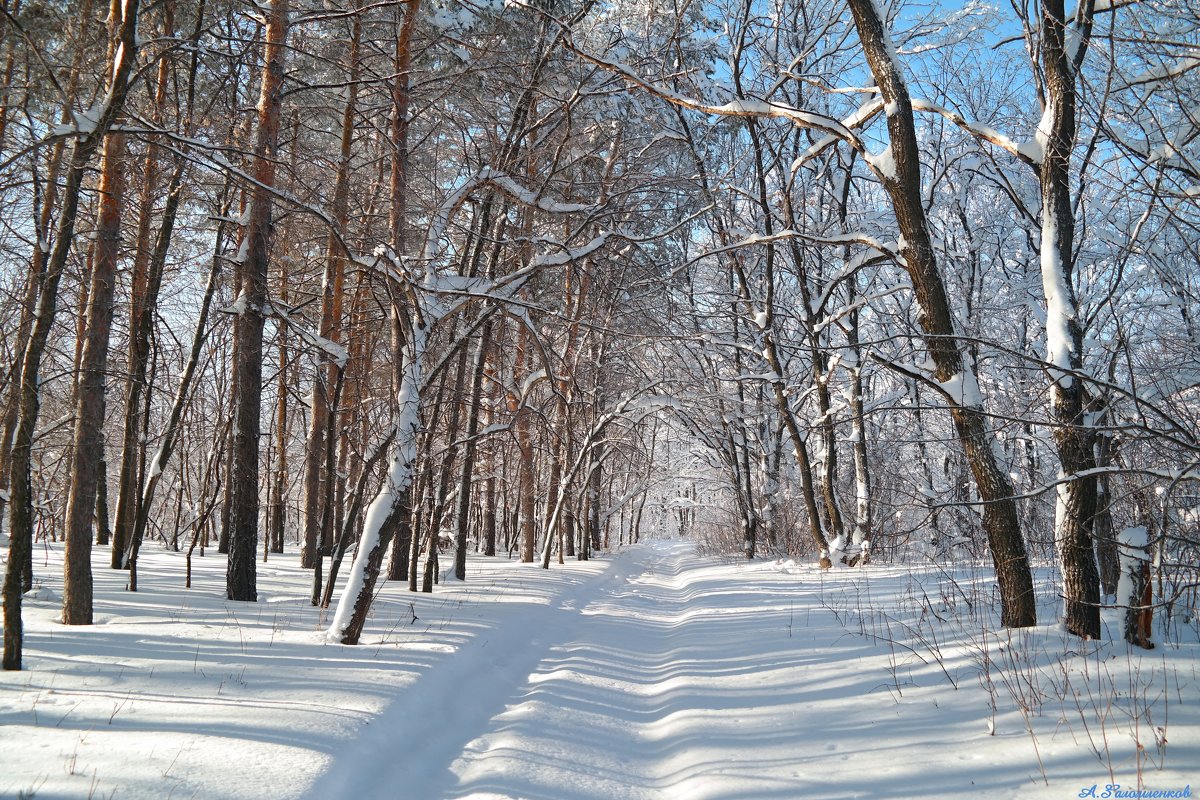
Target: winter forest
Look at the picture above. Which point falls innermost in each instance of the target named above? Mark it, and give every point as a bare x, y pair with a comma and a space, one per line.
387, 295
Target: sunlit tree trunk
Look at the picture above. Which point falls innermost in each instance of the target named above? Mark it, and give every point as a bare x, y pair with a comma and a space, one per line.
79, 160
143, 303
1076, 502
903, 187
332, 293
469, 449
240, 581
168, 438
88, 451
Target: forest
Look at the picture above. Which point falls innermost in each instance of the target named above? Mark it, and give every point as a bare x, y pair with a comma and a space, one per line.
389, 282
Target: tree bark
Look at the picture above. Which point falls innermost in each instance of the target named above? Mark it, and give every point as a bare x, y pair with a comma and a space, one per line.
35, 277
88, 451
355, 602
1075, 510
333, 289
146, 280
82, 151
167, 442
277, 505
468, 460
240, 579
903, 186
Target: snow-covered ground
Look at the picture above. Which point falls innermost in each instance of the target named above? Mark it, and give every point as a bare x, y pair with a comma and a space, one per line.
650, 673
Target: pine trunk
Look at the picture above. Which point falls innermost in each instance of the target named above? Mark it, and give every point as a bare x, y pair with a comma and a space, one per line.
240, 580
84, 148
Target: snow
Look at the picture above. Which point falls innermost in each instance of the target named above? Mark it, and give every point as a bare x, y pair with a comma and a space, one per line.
884, 163
963, 389
241, 303
488, 175
889, 44
1059, 307
336, 353
649, 673
1030, 151
1166, 71
856, 120
86, 121
1132, 550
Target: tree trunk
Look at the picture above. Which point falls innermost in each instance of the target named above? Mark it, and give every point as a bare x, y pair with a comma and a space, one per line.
240, 579
333, 288
277, 505
525, 486
145, 283
10, 60
1135, 592
862, 472
21, 527
167, 441
468, 459
90, 396
103, 528
88, 450
355, 602
1076, 503
489, 517
903, 185
1102, 530
36, 275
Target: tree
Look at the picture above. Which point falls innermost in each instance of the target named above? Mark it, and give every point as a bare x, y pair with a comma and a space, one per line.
91, 131
251, 309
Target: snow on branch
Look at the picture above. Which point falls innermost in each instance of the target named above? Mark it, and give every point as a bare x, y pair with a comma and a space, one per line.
738, 107
336, 352
838, 240
1029, 152
1165, 73
861, 116
1167, 154
484, 177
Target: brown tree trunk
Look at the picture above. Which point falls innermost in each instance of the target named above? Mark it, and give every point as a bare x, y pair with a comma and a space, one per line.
10, 60
1102, 531
333, 288
142, 305
103, 527
90, 395
277, 507
468, 459
167, 441
84, 148
903, 186
524, 436
489, 516
35, 276
240, 580
1076, 508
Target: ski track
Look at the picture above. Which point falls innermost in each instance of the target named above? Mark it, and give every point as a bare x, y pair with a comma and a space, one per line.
647, 681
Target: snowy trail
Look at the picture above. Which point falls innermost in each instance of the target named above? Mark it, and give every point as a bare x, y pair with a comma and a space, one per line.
647, 674
657, 678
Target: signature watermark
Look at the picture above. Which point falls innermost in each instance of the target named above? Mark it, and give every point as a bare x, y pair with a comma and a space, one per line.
1114, 790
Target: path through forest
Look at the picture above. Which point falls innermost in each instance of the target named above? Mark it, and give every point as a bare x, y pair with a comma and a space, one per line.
649, 672
658, 678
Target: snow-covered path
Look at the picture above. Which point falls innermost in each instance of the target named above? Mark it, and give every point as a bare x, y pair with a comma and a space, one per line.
649, 672
657, 678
